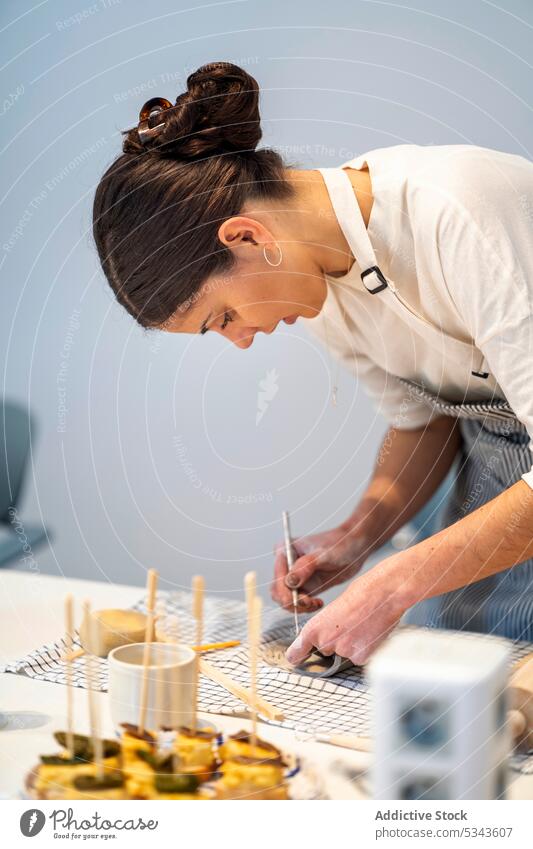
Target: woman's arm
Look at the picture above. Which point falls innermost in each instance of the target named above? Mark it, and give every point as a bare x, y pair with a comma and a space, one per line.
409, 467
492, 538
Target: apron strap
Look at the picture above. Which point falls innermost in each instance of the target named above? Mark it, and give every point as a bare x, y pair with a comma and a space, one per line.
351, 222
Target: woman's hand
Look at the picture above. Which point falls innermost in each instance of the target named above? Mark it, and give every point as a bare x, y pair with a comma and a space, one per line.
323, 560
358, 620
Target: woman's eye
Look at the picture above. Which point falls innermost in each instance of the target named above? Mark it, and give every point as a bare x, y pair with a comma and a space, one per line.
227, 319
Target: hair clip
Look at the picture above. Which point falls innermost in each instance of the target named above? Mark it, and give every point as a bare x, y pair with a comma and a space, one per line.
152, 107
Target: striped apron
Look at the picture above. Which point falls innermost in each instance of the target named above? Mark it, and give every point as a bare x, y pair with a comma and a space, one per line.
495, 445
493, 455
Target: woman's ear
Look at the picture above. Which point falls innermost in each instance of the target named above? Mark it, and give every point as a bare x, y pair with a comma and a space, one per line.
234, 232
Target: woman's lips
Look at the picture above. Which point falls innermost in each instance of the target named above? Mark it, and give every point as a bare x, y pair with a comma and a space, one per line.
290, 319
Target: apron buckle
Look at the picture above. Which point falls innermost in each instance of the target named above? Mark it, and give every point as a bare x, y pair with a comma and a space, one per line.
374, 269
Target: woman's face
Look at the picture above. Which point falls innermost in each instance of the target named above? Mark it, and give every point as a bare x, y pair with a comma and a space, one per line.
254, 297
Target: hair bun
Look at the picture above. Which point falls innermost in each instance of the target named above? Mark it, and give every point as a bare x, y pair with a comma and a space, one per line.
219, 113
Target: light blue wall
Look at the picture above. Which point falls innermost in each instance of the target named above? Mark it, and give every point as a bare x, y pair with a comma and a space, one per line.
148, 417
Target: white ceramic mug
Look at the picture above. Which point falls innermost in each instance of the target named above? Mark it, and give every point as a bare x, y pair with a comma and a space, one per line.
170, 677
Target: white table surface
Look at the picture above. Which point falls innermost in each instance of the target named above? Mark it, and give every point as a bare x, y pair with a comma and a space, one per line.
31, 613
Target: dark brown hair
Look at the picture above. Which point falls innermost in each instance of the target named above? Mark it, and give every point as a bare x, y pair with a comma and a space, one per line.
158, 207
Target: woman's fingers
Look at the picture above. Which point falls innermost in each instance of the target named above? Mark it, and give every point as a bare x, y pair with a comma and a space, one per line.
303, 569
279, 591
301, 647
306, 604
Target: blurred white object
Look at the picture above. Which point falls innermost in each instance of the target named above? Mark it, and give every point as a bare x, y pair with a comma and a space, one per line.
439, 716
170, 675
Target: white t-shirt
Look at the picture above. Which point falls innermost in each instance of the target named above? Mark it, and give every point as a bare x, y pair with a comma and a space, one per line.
452, 227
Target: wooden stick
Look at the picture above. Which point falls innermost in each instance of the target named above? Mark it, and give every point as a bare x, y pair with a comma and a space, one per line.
167, 638
250, 589
347, 741
174, 707
72, 655
229, 644
175, 703
214, 674
94, 707
69, 630
159, 710
198, 586
151, 587
254, 636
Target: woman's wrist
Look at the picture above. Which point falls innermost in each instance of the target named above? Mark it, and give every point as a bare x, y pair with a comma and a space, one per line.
402, 580
372, 519
385, 589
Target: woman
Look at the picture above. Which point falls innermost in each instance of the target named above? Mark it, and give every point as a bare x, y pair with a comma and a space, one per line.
414, 264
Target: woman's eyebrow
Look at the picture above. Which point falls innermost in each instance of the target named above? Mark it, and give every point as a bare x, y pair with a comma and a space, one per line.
203, 328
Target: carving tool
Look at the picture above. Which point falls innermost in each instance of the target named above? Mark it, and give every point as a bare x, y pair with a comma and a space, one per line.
289, 552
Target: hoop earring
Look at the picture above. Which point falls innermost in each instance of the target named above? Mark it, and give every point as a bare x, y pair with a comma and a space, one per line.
273, 264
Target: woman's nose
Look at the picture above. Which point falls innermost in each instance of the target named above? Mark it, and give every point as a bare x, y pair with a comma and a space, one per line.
242, 337
244, 341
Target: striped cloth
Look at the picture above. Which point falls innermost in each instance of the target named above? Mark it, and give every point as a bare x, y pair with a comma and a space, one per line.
341, 704
494, 454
